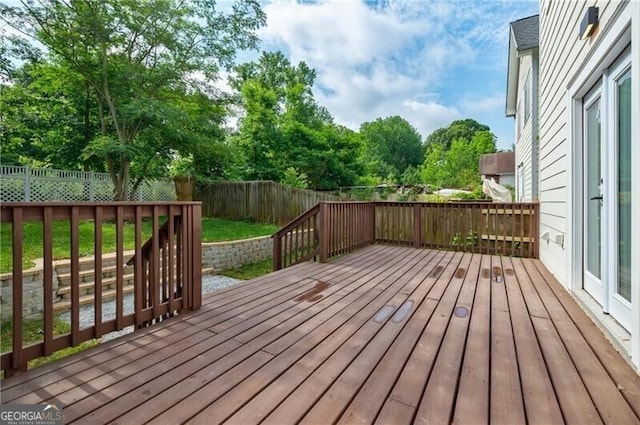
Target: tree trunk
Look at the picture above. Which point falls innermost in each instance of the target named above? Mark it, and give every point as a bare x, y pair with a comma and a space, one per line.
119, 173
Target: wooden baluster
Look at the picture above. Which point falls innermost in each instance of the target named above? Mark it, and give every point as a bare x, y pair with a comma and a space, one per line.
155, 263
18, 361
47, 237
75, 277
171, 254
139, 280
119, 267
97, 272
186, 272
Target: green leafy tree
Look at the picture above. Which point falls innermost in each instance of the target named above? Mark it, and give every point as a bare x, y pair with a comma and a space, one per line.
391, 146
293, 178
138, 58
258, 134
284, 127
459, 129
435, 170
411, 177
47, 117
458, 165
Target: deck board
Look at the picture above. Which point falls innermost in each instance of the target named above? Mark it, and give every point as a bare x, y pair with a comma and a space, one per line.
540, 403
474, 375
506, 401
301, 346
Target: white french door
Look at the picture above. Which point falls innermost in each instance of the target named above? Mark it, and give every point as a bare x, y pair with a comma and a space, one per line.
593, 195
607, 191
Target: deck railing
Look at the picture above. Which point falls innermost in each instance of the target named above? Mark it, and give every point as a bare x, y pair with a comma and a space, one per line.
341, 227
166, 276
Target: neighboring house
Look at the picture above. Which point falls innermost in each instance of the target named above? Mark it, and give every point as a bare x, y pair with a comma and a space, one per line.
589, 151
522, 104
499, 167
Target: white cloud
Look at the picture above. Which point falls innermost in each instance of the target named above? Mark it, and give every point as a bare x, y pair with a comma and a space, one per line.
428, 116
474, 104
344, 34
397, 57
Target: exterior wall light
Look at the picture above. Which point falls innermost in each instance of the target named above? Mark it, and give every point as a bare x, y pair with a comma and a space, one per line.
589, 23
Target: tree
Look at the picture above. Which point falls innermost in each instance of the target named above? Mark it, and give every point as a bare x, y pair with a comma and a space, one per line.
47, 116
457, 166
391, 146
142, 61
459, 129
284, 128
435, 170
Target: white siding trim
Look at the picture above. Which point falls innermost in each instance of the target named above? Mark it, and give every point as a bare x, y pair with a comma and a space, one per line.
535, 130
574, 204
635, 181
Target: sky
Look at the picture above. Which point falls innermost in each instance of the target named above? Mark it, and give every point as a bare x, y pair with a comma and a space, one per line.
430, 62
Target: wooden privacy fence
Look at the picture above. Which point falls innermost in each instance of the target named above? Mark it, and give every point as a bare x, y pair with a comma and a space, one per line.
334, 228
263, 201
166, 278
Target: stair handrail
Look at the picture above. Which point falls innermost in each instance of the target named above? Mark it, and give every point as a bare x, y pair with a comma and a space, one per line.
277, 237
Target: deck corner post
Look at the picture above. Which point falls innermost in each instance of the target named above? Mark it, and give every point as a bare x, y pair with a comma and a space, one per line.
324, 232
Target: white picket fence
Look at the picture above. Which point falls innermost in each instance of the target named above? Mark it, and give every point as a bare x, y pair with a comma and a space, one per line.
26, 184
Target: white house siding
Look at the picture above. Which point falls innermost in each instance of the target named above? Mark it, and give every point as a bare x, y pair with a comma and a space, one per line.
561, 55
569, 68
524, 157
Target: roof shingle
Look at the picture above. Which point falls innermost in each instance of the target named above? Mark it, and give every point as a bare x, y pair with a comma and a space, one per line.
525, 32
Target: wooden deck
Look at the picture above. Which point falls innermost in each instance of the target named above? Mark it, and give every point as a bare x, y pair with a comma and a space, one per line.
468, 339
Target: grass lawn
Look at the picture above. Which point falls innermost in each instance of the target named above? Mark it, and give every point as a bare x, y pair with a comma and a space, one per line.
249, 271
32, 333
217, 230
213, 230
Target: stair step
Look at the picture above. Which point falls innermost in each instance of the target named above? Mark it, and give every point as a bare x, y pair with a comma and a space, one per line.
209, 270
64, 279
86, 263
88, 299
87, 287
107, 295
87, 275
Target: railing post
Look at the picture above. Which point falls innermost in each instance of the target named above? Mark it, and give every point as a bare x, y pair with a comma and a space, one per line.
277, 252
372, 206
324, 232
417, 225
